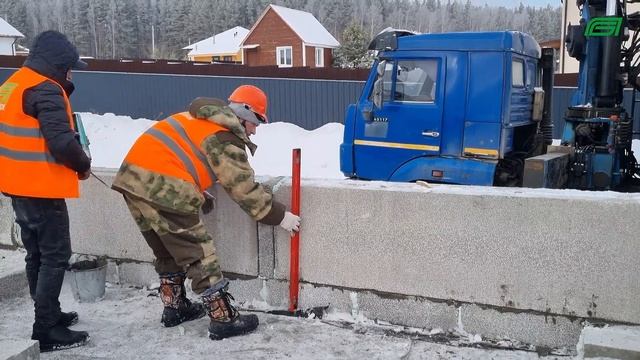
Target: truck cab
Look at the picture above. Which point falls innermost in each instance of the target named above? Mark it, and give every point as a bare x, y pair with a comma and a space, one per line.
453, 108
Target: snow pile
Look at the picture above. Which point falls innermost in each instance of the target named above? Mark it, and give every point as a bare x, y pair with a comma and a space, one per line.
111, 137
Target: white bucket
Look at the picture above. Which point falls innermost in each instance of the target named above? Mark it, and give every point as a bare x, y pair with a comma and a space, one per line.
87, 279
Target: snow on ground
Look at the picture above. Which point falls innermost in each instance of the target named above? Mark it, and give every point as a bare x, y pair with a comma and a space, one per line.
111, 136
11, 261
126, 325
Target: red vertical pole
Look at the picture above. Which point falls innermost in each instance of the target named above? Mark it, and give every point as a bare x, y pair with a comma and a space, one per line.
294, 259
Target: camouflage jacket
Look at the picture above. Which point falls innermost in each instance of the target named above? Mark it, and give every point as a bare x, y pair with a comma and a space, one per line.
227, 156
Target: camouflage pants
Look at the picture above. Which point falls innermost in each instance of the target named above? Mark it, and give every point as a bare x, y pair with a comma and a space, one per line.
179, 242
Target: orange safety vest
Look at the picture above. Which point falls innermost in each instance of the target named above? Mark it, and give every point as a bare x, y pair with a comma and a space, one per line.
172, 147
27, 168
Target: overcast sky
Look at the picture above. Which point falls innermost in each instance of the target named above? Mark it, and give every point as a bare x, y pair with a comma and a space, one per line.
513, 3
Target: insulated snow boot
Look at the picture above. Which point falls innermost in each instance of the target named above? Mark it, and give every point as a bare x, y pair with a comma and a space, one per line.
59, 338
68, 318
177, 308
225, 319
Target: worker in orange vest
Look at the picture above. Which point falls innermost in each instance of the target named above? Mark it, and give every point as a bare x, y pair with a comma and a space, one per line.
164, 179
41, 162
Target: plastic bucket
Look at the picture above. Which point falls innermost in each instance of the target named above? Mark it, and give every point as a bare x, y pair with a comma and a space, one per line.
87, 279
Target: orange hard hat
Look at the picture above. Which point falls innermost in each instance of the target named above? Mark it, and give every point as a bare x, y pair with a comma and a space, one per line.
253, 97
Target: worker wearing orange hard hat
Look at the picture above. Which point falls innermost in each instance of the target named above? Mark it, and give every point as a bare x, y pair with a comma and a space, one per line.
164, 179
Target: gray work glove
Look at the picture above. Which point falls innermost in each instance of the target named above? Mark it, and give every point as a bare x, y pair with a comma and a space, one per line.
290, 222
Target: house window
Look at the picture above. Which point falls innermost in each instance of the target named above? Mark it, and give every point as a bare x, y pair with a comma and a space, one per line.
228, 58
284, 56
319, 57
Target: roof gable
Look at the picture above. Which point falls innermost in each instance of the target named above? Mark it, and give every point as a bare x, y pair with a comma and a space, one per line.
6, 30
303, 24
225, 42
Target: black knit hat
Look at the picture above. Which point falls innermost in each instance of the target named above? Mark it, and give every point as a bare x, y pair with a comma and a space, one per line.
55, 49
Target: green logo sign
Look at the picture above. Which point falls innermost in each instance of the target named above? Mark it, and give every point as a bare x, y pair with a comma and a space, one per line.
604, 26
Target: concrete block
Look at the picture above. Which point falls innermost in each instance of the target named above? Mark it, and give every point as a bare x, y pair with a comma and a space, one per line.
546, 171
6, 221
266, 237
408, 311
137, 273
614, 342
235, 235
13, 285
532, 328
101, 223
523, 248
13, 280
108, 228
266, 250
311, 296
19, 349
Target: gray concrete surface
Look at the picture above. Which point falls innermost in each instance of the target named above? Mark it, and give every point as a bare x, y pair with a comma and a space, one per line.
529, 264
614, 342
19, 349
13, 279
101, 225
126, 325
6, 221
574, 256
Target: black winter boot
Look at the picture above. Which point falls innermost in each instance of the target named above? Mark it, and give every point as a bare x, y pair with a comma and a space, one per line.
177, 308
59, 338
47, 328
225, 319
68, 318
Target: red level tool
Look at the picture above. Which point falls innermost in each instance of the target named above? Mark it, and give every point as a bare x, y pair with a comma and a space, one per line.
294, 260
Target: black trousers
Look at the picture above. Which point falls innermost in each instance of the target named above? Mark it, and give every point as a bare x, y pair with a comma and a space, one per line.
44, 227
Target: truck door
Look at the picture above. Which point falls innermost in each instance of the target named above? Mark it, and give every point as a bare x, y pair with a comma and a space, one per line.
408, 123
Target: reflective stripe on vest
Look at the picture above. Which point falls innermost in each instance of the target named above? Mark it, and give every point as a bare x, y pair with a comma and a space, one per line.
180, 153
27, 155
196, 150
20, 131
168, 142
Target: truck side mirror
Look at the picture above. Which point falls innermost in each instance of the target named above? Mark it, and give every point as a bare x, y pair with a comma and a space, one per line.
378, 85
382, 65
378, 90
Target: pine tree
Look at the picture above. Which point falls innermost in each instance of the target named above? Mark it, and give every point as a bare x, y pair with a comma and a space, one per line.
353, 51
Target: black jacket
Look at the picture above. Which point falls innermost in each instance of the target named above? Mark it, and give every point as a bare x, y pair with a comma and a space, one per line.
45, 102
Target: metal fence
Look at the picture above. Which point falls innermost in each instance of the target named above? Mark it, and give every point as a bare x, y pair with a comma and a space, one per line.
308, 103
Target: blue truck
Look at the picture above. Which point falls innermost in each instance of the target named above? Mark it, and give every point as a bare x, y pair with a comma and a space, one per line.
474, 108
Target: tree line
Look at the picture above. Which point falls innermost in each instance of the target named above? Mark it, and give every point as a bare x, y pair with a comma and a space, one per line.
113, 29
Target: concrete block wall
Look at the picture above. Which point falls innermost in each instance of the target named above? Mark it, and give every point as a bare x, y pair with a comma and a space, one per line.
521, 263
102, 225
561, 252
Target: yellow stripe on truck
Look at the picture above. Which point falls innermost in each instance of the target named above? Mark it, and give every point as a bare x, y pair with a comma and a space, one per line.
397, 145
478, 151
